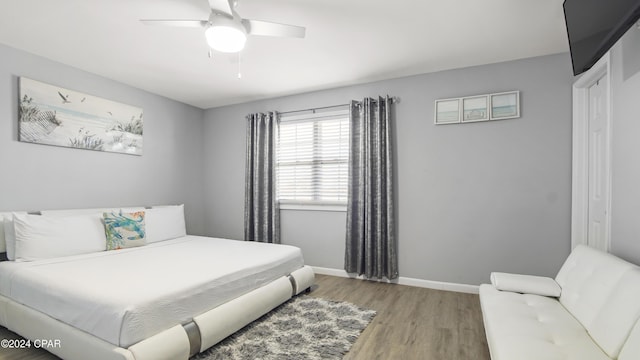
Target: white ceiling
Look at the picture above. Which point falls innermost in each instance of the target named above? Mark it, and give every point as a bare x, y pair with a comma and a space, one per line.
347, 42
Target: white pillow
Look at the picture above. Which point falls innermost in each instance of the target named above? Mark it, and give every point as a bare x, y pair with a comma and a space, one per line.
3, 241
3, 231
43, 237
165, 223
10, 237
526, 284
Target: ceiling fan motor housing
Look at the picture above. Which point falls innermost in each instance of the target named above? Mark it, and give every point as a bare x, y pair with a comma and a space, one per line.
226, 34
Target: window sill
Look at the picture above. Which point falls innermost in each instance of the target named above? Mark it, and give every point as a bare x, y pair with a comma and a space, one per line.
313, 207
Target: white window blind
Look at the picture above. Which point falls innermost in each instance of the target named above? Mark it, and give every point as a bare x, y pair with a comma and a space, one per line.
312, 158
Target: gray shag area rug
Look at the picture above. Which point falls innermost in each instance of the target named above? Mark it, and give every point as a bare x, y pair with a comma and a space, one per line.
304, 328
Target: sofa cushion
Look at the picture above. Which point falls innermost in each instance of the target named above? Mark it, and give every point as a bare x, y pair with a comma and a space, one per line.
614, 321
533, 327
588, 278
526, 284
631, 348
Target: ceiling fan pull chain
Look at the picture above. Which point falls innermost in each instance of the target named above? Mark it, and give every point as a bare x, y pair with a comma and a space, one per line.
239, 65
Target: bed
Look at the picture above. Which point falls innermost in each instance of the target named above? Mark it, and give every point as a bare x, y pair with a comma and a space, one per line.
170, 298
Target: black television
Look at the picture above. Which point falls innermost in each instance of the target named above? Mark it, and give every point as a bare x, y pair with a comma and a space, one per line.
593, 26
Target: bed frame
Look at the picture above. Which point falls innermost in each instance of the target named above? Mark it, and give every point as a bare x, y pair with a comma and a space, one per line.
178, 342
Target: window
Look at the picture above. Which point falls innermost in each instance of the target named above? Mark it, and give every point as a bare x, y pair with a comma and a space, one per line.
312, 158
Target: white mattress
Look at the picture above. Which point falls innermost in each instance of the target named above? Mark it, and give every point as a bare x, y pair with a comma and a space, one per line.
128, 295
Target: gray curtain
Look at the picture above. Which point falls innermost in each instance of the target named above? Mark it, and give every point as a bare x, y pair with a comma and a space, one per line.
371, 248
261, 213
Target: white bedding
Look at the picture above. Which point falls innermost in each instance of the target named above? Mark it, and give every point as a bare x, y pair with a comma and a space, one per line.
128, 295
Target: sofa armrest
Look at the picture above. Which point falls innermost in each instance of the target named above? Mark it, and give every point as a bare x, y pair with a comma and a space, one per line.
527, 284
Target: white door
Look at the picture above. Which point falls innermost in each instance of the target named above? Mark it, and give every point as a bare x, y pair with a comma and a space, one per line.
599, 179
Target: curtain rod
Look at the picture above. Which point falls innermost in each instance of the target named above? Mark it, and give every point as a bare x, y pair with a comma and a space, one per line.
394, 100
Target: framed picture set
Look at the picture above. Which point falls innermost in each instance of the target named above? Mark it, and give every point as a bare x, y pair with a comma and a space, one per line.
505, 105
475, 109
447, 111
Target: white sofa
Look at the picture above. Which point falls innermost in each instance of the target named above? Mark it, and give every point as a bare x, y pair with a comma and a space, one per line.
589, 312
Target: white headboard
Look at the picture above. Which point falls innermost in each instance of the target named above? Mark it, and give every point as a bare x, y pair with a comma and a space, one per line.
72, 212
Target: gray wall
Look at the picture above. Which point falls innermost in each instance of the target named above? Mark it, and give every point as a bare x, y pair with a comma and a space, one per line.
36, 177
471, 198
625, 92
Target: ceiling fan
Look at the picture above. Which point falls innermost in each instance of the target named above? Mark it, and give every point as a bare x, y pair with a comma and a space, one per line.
227, 32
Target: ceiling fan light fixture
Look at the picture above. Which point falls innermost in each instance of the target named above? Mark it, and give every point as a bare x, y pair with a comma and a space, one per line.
226, 38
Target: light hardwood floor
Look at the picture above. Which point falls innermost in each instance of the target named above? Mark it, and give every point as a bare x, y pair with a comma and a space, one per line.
411, 322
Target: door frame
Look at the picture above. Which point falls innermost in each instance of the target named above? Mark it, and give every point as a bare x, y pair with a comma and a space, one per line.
580, 161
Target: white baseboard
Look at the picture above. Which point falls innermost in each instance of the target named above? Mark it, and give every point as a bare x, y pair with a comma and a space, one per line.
429, 284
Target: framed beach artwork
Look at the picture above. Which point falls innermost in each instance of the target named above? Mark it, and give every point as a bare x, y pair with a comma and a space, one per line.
475, 109
485, 107
505, 105
447, 111
53, 115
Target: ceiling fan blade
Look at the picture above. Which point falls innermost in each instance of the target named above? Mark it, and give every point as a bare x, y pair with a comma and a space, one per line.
266, 28
221, 6
178, 23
